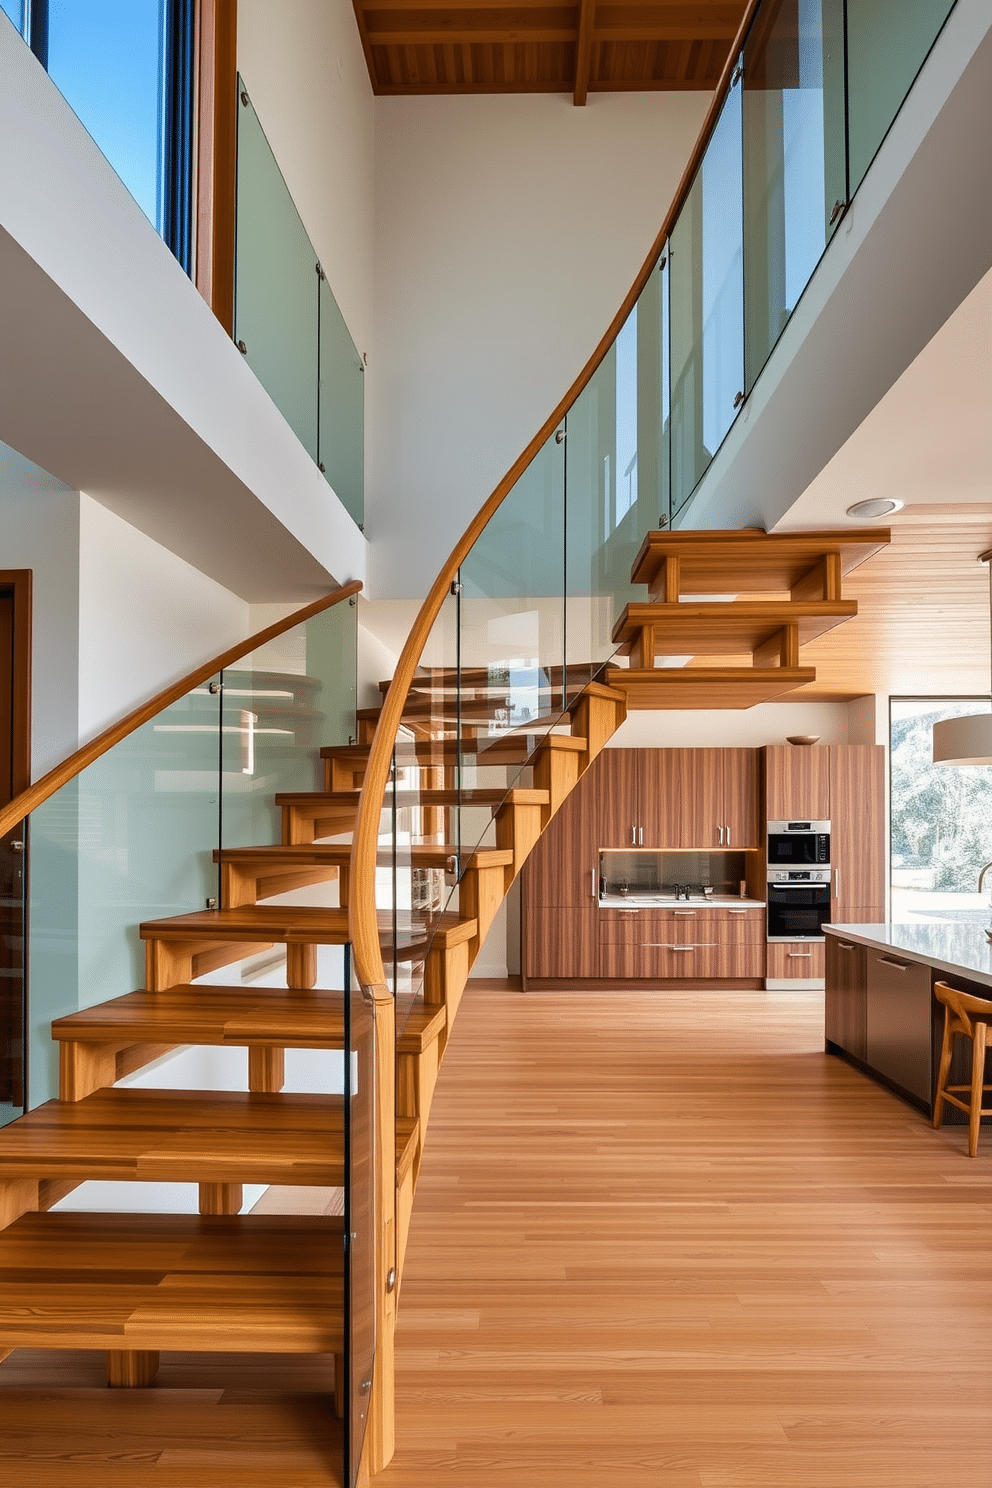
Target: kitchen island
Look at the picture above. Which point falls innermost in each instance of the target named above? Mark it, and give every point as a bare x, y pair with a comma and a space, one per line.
880, 1013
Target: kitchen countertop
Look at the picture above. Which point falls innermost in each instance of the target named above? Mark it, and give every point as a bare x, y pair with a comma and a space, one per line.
958, 947
668, 901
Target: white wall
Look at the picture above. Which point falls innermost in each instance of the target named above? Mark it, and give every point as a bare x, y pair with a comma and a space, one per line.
508, 230
745, 728
39, 529
303, 65
146, 617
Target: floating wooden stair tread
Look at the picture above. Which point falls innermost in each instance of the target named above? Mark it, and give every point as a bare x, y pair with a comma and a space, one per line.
189, 1014
421, 1028
319, 854
265, 1283
748, 561
438, 855
697, 629
273, 924
180, 1136
707, 687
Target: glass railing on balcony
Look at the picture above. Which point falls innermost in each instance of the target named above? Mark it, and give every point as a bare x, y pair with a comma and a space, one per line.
287, 322
158, 902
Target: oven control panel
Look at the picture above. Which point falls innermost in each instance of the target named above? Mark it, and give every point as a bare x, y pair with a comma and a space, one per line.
799, 875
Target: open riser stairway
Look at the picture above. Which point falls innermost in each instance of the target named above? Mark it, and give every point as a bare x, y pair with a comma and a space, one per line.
137, 1284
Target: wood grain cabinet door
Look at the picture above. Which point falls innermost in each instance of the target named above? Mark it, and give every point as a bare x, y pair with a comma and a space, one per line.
697, 787
562, 943
739, 776
563, 869
857, 831
845, 998
617, 785
797, 782
659, 810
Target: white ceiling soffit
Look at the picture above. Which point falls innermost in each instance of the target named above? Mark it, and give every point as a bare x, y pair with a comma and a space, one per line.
910, 251
116, 378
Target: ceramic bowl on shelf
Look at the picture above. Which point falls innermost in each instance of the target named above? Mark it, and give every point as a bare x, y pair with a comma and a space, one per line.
802, 738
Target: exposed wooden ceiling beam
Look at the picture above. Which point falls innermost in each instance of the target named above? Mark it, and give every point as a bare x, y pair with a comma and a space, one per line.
583, 51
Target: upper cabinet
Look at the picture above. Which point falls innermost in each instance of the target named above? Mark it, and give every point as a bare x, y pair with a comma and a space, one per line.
797, 782
692, 798
857, 832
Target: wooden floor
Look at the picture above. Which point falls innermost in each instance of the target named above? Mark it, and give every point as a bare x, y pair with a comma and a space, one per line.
663, 1240
659, 1240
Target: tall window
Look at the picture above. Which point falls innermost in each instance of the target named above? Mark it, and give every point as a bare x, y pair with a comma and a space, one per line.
941, 829
126, 69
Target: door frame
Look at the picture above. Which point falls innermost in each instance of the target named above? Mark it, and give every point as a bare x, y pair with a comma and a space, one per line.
15, 584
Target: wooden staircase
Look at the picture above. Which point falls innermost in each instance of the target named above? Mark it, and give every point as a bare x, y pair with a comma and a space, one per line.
136, 1284
806, 568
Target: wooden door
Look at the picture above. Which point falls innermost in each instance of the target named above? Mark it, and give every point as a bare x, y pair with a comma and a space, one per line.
797, 782
699, 793
739, 774
617, 787
857, 832
563, 868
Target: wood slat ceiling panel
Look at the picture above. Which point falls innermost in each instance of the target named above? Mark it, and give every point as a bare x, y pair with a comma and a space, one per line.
414, 46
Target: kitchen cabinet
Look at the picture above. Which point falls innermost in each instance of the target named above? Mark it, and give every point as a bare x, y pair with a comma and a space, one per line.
857, 830
898, 1022
561, 943
680, 944
563, 869
679, 798
795, 960
845, 998
797, 782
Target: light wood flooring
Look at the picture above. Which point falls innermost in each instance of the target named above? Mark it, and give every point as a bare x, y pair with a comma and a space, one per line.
658, 1240
661, 1239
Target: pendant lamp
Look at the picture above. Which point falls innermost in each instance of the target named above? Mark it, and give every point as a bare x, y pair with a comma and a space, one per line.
966, 741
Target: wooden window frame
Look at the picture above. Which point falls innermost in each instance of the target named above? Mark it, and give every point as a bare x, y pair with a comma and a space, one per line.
215, 163
15, 584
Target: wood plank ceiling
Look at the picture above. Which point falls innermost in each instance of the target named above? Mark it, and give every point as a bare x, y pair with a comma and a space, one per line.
531, 46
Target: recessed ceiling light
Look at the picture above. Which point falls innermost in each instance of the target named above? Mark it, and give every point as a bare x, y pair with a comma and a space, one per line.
880, 506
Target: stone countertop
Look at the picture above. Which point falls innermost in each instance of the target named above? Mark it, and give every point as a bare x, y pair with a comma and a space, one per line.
668, 901
957, 947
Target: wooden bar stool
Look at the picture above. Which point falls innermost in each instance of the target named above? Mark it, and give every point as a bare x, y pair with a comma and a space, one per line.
969, 1016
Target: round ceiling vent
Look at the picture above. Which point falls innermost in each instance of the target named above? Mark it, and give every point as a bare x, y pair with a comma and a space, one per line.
879, 507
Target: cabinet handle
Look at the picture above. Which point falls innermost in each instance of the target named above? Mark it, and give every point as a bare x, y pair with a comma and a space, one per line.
594, 894
800, 955
683, 913
720, 829
680, 948
633, 836
845, 945
728, 836
899, 965
836, 883
640, 836
738, 911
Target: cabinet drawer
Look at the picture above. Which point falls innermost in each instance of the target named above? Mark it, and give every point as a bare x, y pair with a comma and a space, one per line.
707, 925
796, 960
672, 960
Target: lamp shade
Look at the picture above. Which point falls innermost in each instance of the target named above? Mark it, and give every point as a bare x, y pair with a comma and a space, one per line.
963, 741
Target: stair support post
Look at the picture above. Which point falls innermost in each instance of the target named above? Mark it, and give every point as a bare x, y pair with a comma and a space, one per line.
130, 1369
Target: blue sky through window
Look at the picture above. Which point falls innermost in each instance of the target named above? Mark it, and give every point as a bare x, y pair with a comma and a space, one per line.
15, 10
107, 59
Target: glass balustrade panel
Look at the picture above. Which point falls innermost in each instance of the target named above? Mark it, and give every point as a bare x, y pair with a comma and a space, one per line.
707, 309
794, 165
276, 283
887, 44
419, 840
131, 838
511, 642
13, 883
283, 704
341, 426
614, 483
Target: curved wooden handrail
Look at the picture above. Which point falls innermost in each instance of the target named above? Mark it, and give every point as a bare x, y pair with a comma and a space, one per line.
22, 806
364, 925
